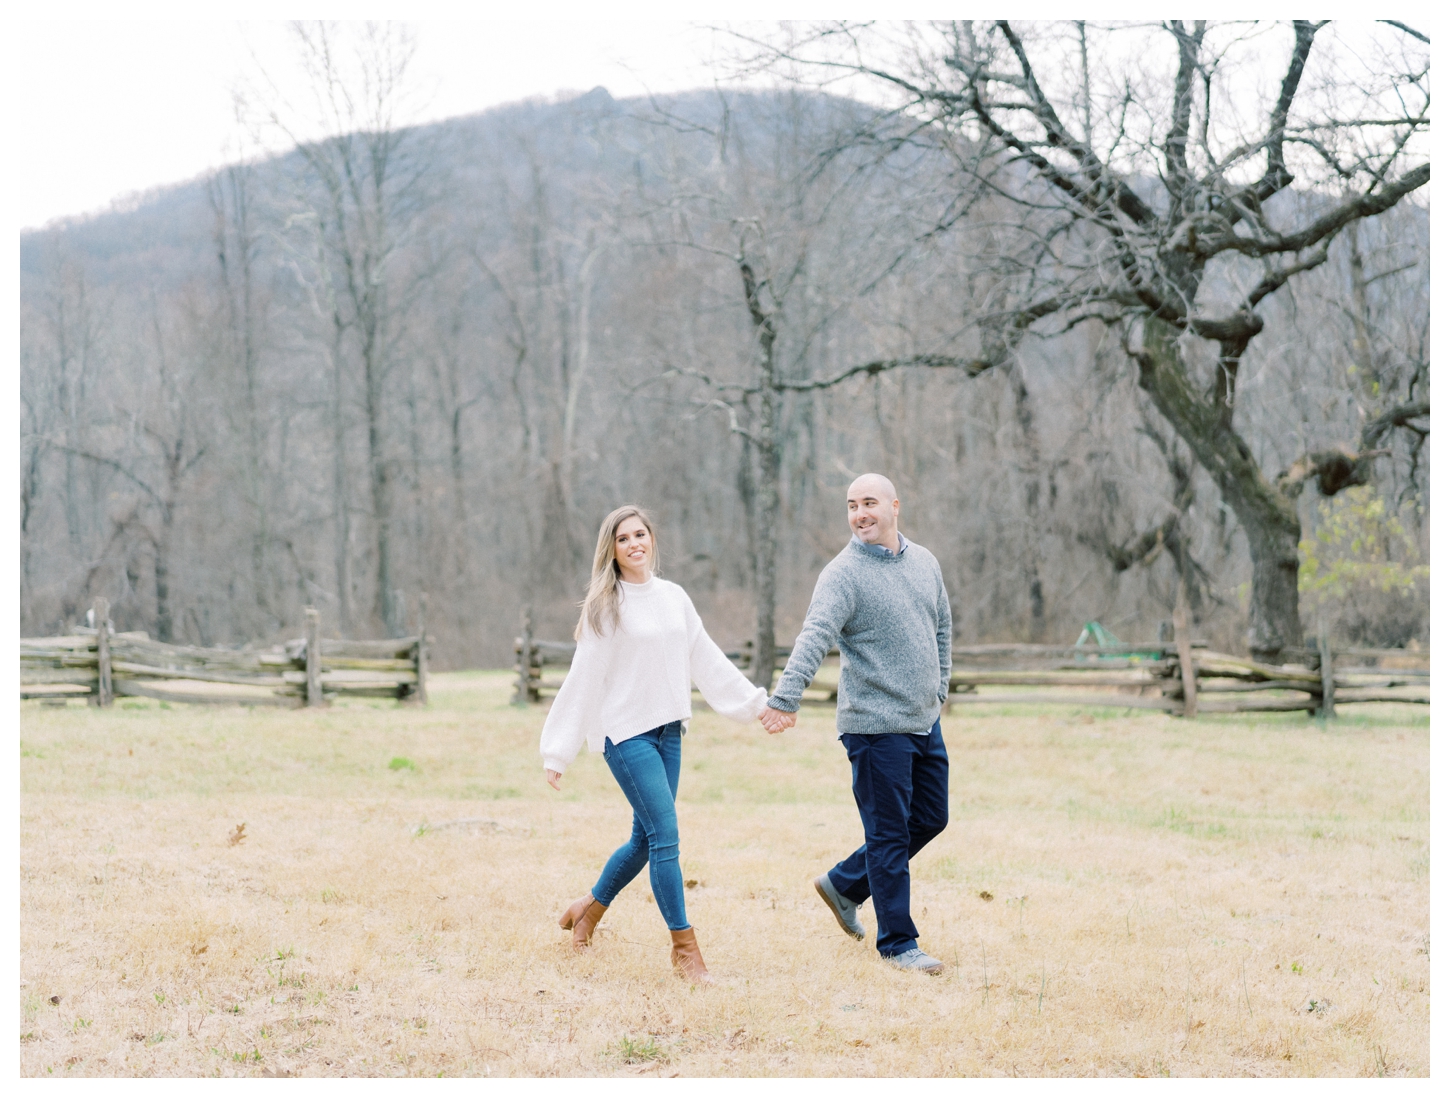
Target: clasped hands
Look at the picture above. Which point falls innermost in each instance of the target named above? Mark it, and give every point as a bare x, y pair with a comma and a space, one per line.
776, 721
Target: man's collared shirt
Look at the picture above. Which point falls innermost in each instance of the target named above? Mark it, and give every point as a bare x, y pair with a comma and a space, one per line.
881, 550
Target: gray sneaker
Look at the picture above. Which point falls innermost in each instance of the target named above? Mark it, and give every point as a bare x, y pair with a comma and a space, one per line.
843, 909
916, 960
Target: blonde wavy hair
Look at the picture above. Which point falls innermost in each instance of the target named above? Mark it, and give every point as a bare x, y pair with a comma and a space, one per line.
599, 612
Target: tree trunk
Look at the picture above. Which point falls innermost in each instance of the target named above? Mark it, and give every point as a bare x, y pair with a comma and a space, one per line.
460, 492
462, 577
1032, 531
1359, 315
574, 382
231, 201
342, 520
421, 525
767, 523
30, 485
766, 519
256, 476
745, 488
72, 498
163, 579
71, 399
382, 513
1268, 517
380, 483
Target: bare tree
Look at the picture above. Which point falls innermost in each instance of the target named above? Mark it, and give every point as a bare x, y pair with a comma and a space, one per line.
721, 306
154, 439
788, 218
1152, 198
362, 191
62, 364
237, 240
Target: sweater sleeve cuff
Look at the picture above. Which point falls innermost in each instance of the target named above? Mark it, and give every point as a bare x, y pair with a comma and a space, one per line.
555, 763
785, 705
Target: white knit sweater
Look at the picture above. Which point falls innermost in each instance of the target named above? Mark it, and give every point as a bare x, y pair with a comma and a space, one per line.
638, 677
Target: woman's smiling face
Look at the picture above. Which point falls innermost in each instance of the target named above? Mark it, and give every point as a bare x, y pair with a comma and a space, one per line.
633, 549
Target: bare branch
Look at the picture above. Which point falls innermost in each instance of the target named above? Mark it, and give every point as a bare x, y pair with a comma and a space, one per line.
1057, 134
971, 366
1411, 31
1377, 428
1276, 176
685, 371
1361, 206
1280, 275
110, 463
735, 428
1175, 149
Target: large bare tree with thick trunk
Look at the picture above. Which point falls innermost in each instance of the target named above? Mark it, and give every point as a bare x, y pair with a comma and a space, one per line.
1140, 181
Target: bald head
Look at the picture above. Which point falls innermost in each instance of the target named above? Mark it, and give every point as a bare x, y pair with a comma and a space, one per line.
873, 484
871, 509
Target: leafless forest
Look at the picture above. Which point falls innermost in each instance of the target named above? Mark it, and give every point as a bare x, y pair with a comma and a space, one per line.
1115, 309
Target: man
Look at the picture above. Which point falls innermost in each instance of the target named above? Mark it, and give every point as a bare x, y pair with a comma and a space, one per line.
882, 599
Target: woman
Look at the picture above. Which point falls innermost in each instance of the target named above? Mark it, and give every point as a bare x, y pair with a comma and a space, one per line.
628, 694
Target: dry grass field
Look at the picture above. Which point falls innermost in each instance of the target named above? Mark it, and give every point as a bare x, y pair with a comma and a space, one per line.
1116, 895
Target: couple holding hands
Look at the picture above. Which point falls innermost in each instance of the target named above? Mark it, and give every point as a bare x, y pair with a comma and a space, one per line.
627, 693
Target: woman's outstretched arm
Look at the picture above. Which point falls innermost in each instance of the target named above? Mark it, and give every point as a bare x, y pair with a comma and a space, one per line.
727, 691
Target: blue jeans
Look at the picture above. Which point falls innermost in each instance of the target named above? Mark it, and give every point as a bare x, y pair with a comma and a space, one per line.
647, 768
900, 783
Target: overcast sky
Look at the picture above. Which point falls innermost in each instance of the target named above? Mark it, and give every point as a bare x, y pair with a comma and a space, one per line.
103, 109
111, 108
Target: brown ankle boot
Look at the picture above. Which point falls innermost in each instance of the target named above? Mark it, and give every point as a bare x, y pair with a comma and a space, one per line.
582, 917
576, 909
685, 956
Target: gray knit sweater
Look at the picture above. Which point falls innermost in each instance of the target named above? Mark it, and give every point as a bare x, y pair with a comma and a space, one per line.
890, 615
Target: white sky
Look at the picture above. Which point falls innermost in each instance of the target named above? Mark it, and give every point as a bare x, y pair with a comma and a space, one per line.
110, 108
102, 108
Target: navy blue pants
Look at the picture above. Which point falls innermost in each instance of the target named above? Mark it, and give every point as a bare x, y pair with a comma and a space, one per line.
900, 783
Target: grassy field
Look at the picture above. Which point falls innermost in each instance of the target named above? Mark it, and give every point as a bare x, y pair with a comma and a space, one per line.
1118, 894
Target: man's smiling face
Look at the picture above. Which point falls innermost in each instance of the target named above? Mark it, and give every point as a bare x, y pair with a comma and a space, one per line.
871, 509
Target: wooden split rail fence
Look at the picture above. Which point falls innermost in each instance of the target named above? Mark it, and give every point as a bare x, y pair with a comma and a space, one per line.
1132, 676
99, 664
1153, 677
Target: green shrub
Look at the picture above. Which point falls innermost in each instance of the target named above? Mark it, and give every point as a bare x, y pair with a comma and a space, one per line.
1363, 572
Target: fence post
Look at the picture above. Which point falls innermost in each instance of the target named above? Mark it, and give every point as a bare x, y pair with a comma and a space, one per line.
420, 692
102, 609
1181, 635
1326, 677
314, 657
526, 659
400, 611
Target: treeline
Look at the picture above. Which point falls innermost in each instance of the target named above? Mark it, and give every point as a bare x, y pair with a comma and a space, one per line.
429, 359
